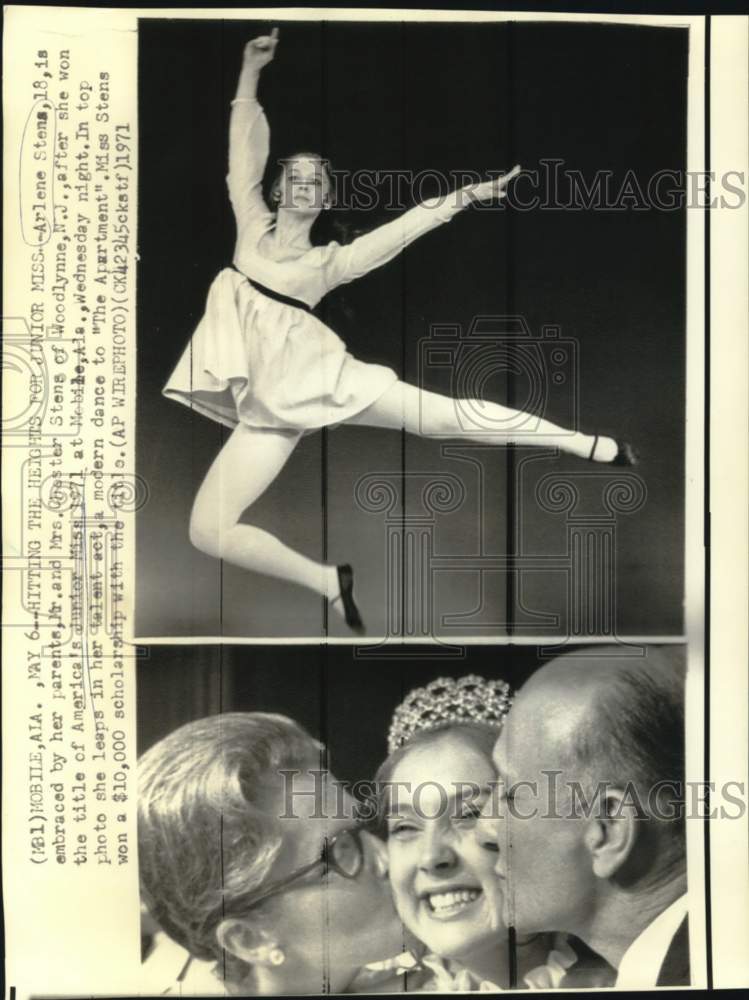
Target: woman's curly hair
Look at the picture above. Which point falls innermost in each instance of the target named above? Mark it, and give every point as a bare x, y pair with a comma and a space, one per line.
202, 839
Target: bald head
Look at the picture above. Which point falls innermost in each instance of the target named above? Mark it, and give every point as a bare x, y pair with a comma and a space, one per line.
604, 664
555, 703
605, 718
586, 820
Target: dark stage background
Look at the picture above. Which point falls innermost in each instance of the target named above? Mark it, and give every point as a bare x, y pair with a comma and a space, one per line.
345, 702
444, 98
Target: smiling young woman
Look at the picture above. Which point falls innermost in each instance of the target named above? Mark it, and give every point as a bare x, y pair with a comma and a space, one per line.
443, 881
433, 787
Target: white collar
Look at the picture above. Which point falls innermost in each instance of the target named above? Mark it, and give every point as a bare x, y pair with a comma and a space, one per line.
451, 976
642, 961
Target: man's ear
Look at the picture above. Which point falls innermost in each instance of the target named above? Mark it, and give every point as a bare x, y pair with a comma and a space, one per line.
611, 833
249, 943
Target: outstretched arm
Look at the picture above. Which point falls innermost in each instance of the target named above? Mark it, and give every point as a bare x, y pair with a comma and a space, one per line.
249, 135
346, 263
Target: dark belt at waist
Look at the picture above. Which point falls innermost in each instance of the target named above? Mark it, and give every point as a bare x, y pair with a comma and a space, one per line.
285, 299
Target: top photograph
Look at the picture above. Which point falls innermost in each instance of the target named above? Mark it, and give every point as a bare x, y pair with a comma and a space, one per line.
412, 330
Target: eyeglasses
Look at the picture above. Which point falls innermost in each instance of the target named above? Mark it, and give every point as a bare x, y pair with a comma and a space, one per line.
342, 854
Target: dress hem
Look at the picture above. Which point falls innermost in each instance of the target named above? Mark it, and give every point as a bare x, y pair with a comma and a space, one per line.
186, 398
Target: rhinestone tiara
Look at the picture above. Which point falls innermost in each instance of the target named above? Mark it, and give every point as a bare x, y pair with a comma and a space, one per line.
467, 699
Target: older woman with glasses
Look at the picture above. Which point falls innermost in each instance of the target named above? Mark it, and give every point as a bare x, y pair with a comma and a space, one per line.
250, 861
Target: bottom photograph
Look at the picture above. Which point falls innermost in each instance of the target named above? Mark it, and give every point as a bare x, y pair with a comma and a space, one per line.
311, 821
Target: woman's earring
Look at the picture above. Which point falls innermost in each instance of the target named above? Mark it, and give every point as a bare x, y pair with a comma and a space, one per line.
267, 953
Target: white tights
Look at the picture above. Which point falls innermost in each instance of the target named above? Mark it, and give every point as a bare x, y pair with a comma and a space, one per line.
251, 459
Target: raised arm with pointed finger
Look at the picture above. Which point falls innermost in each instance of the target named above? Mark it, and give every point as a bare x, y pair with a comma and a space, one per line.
249, 135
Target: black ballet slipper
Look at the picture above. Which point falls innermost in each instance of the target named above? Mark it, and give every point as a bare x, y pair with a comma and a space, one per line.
625, 453
346, 596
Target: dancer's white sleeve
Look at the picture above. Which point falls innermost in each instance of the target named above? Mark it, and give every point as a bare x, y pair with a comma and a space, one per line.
249, 142
346, 263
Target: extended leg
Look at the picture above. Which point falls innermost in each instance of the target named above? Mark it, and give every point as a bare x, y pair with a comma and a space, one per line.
429, 414
242, 471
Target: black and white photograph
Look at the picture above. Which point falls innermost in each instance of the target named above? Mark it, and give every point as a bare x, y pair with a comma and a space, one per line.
374, 493
412, 369
307, 825
411, 329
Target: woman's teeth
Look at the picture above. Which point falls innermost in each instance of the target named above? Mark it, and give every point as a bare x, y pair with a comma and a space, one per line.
440, 902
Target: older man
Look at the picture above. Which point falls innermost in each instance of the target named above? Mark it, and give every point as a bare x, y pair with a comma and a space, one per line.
590, 828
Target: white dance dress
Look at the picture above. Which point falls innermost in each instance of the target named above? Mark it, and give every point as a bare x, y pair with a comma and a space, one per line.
265, 362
